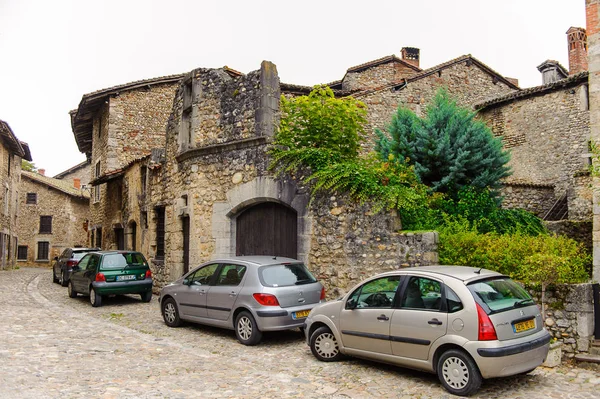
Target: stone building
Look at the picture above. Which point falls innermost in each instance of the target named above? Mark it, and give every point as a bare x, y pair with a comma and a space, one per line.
12, 151
53, 215
79, 173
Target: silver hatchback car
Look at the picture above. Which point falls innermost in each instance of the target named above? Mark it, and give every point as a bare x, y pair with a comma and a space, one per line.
462, 323
249, 294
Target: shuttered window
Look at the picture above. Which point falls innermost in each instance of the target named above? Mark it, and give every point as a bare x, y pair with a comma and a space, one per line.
43, 250
31, 198
160, 233
45, 224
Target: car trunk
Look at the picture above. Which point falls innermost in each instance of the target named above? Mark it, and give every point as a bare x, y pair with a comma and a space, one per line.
516, 323
128, 273
297, 295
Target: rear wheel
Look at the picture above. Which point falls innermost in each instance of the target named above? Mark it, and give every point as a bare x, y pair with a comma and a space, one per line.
170, 313
458, 373
71, 290
146, 296
324, 345
64, 281
246, 330
95, 298
54, 278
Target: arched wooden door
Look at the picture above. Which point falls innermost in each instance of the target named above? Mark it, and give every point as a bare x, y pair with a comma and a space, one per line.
267, 229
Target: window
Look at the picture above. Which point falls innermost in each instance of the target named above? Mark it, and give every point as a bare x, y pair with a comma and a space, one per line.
144, 173
43, 250
45, 224
378, 293
31, 198
231, 275
160, 233
202, 276
22, 252
97, 188
422, 293
9, 162
99, 237
6, 200
285, 275
186, 116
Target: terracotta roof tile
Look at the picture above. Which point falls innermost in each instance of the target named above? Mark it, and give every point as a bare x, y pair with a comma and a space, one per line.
62, 185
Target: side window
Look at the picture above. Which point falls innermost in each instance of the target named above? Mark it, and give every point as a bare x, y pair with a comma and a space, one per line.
202, 276
84, 262
231, 275
422, 293
453, 301
375, 294
93, 263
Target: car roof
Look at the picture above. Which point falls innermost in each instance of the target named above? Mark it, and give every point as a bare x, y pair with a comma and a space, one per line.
80, 249
115, 251
258, 260
462, 273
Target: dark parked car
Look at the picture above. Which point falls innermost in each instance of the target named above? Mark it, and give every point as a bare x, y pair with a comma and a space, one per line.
111, 273
63, 264
248, 294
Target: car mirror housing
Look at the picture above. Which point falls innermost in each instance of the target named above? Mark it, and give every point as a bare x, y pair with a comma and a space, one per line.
351, 304
56, 258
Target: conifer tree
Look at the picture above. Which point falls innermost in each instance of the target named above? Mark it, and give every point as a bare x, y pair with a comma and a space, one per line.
448, 147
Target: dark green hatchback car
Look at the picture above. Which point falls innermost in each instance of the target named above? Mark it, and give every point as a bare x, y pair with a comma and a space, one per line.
111, 273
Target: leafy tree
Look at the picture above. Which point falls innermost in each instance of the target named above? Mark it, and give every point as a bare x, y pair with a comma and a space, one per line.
28, 166
448, 147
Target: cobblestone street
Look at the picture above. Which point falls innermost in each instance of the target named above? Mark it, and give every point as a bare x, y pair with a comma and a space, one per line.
53, 346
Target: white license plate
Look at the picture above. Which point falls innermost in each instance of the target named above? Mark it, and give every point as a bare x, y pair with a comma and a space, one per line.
126, 277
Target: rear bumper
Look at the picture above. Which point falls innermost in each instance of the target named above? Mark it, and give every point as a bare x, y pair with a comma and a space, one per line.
499, 359
123, 287
280, 319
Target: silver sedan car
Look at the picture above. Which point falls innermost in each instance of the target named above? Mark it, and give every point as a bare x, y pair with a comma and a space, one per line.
249, 294
462, 323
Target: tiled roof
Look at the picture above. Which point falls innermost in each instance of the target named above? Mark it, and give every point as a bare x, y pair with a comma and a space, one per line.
62, 185
519, 183
383, 60
10, 140
430, 71
113, 174
71, 170
573, 80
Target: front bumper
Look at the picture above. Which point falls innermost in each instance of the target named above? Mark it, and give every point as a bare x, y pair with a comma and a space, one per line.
504, 358
123, 287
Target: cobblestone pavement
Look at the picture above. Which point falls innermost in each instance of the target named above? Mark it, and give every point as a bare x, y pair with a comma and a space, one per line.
53, 346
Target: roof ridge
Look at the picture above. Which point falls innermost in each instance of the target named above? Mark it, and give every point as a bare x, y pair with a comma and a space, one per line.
58, 184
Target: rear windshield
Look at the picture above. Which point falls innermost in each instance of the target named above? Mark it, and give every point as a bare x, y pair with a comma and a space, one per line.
79, 254
285, 275
116, 261
499, 294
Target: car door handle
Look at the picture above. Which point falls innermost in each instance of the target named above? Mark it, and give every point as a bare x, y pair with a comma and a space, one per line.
233, 293
383, 318
435, 321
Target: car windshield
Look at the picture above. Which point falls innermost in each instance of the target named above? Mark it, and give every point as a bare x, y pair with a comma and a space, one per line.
285, 275
500, 294
120, 260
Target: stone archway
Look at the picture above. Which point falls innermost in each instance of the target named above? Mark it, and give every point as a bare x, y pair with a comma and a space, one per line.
258, 191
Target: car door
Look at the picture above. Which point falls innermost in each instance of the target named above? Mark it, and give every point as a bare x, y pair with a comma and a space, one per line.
223, 294
193, 291
365, 319
89, 274
78, 277
420, 319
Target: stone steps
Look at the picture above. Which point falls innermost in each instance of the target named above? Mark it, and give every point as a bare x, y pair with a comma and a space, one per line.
585, 358
595, 347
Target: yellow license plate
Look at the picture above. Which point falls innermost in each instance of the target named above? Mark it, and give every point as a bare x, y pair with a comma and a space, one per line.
524, 326
300, 315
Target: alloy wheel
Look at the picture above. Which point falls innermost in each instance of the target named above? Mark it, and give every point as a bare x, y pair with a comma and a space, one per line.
169, 312
244, 328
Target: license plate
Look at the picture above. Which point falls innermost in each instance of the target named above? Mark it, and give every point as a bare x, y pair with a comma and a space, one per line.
300, 315
524, 326
126, 277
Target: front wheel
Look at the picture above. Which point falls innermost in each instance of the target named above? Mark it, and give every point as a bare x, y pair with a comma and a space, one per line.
54, 278
71, 290
246, 330
324, 345
170, 313
458, 373
95, 298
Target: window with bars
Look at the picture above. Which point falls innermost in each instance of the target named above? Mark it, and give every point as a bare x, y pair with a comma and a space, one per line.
43, 250
160, 233
45, 224
31, 198
22, 252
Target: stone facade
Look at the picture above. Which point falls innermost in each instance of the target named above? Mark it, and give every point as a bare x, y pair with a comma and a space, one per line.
81, 173
537, 199
12, 151
569, 316
68, 209
546, 129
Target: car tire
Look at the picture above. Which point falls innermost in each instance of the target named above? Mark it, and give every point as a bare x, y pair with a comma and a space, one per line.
170, 313
54, 278
71, 290
324, 345
63, 279
458, 373
95, 298
146, 296
246, 329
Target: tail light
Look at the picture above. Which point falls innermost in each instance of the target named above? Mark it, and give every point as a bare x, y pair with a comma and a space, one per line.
148, 274
487, 332
322, 293
266, 299
100, 277
71, 263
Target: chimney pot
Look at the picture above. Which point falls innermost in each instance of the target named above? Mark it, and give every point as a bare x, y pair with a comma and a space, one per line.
42, 172
411, 55
577, 41
77, 183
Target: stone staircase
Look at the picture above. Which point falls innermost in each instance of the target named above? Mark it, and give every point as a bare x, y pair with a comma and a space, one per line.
593, 356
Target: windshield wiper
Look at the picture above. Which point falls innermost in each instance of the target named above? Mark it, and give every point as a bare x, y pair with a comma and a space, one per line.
523, 302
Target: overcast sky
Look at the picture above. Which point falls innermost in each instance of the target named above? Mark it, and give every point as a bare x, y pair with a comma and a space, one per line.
53, 52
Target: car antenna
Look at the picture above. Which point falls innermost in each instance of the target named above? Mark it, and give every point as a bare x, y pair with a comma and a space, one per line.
478, 271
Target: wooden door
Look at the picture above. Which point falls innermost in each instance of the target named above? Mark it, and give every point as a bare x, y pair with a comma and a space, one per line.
185, 221
267, 229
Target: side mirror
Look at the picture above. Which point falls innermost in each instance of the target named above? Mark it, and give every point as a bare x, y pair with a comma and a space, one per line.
75, 268
351, 304
56, 258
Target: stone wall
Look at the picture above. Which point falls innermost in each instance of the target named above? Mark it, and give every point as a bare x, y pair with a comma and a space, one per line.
10, 171
569, 316
580, 231
537, 199
83, 173
376, 76
70, 215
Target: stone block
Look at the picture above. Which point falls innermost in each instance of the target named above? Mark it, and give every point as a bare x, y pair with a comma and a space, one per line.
554, 357
585, 324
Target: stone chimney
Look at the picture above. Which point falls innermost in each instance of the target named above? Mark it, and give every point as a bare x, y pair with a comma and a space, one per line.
578, 58
411, 55
42, 172
552, 71
77, 183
